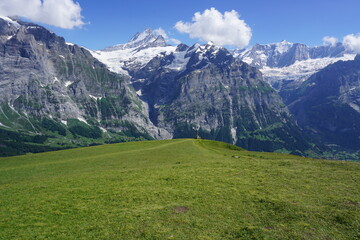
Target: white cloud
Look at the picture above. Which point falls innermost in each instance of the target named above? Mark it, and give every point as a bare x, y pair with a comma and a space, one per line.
352, 42
174, 41
162, 32
60, 13
222, 29
330, 40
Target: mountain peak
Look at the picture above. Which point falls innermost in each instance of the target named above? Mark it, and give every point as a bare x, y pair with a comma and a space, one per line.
285, 42
10, 20
146, 39
140, 36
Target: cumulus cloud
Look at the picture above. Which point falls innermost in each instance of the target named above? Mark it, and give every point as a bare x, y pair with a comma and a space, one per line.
59, 13
222, 29
352, 42
162, 32
330, 41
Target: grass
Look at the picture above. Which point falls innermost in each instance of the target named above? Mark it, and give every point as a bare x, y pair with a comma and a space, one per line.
177, 189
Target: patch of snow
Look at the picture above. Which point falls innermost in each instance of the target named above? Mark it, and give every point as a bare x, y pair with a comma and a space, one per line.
352, 89
10, 37
81, 119
300, 70
69, 43
248, 60
62, 56
103, 129
10, 21
68, 83
179, 63
118, 60
2, 125
140, 80
95, 98
12, 108
32, 27
64, 122
355, 107
56, 80
139, 93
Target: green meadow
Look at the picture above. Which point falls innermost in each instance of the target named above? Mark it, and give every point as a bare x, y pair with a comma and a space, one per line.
177, 189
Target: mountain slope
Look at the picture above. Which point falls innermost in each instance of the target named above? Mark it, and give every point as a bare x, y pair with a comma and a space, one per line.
177, 189
203, 90
134, 54
327, 105
43, 78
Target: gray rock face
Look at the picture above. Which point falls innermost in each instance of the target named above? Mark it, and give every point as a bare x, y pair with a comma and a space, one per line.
43, 76
205, 91
327, 105
185, 91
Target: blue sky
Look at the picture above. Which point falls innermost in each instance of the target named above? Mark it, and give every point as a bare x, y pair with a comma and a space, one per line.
111, 22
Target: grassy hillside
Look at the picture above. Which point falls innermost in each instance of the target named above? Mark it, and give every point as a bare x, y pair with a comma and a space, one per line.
177, 189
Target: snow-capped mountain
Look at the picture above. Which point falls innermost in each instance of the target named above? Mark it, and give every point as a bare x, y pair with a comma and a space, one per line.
299, 71
148, 38
134, 54
185, 58
285, 61
203, 90
283, 54
47, 84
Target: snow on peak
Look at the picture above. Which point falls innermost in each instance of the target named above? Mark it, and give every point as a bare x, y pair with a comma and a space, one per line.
300, 70
145, 39
147, 33
10, 21
283, 46
209, 47
136, 53
119, 60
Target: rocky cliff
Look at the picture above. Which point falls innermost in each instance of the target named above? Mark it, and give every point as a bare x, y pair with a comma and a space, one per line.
327, 105
44, 77
204, 91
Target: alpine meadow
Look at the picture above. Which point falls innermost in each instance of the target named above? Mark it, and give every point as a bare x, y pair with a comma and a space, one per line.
205, 120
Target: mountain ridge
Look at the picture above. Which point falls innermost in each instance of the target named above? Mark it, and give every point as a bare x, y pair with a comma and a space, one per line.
154, 91
49, 84
327, 105
287, 63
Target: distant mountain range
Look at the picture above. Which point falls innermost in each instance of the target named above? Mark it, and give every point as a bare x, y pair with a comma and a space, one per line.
58, 94
284, 62
204, 90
